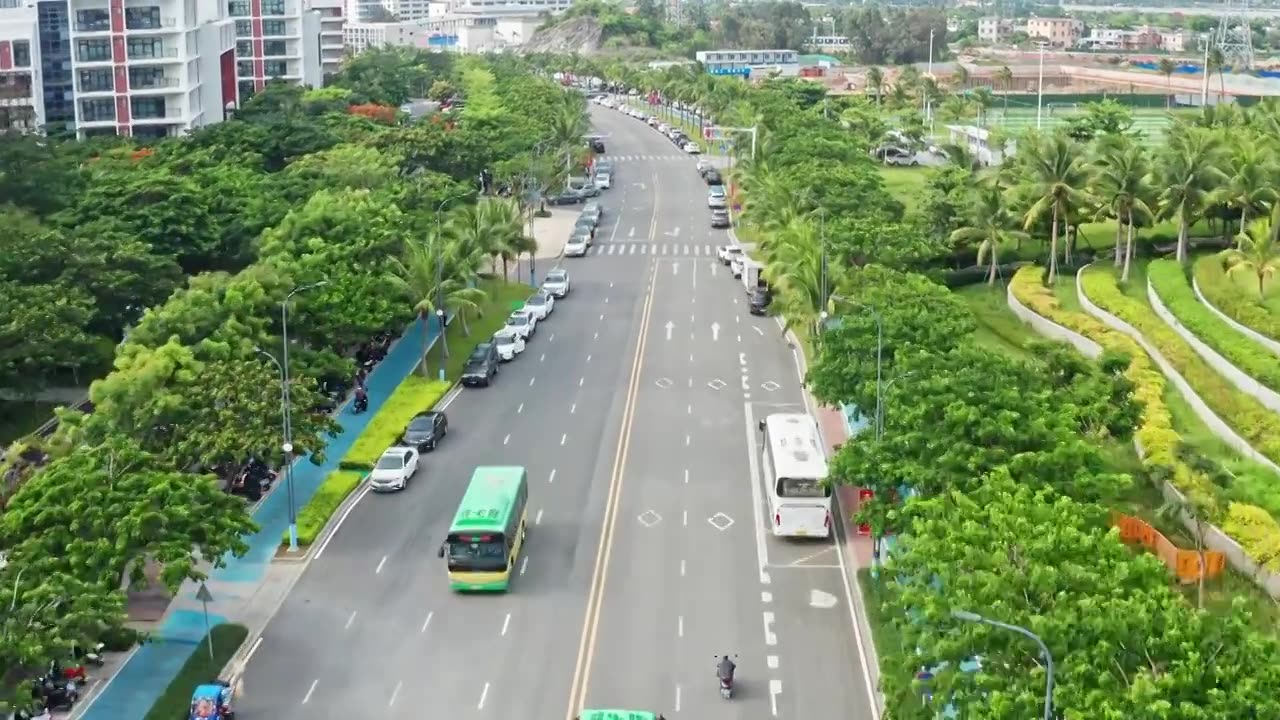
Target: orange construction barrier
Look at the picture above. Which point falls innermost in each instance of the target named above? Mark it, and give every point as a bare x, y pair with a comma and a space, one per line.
1185, 564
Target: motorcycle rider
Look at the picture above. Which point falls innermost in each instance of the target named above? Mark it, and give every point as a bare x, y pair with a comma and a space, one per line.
724, 671
362, 399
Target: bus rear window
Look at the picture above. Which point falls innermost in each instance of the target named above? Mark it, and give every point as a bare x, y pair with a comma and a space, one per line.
803, 488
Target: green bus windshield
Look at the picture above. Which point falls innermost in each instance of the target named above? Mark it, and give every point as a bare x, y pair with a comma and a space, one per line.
617, 715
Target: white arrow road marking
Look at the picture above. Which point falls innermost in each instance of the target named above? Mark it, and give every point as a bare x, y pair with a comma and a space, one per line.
775, 689
675, 268
820, 599
632, 232
674, 233
715, 331
669, 326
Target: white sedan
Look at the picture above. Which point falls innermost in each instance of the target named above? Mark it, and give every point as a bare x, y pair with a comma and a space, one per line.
508, 344
692, 148
540, 305
394, 469
728, 253
523, 322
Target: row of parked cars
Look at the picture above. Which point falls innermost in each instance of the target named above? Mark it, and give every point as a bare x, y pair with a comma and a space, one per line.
583, 234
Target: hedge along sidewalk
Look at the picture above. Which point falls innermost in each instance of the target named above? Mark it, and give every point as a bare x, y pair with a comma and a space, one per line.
1227, 296
1250, 537
415, 394
199, 669
1256, 429
1250, 367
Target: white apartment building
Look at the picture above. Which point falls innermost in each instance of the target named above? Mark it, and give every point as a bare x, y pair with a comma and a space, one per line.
405, 10
150, 68
451, 32
275, 39
747, 62
21, 92
332, 19
995, 30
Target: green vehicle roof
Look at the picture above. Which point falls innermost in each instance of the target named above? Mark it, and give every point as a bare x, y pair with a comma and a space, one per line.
489, 500
617, 715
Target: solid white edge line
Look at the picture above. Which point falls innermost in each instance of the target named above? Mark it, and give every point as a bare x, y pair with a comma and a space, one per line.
306, 698
341, 519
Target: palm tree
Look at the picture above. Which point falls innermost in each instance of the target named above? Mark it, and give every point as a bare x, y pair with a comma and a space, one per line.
960, 78
993, 225
983, 99
875, 81
1258, 252
1120, 182
1189, 172
491, 228
1167, 68
1251, 178
794, 271
416, 274
1004, 76
1218, 64
1054, 167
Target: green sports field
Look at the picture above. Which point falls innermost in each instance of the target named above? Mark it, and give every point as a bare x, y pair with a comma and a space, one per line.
1151, 122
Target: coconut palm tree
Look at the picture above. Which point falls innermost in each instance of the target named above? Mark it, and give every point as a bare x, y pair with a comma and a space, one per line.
1055, 170
875, 81
435, 274
1258, 251
1218, 64
1252, 176
960, 78
1004, 76
993, 225
1189, 172
983, 98
1121, 184
1167, 68
491, 227
794, 271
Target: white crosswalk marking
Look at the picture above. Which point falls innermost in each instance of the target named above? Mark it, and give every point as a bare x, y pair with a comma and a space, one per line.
664, 249
686, 249
633, 250
697, 250
706, 249
653, 249
643, 248
611, 249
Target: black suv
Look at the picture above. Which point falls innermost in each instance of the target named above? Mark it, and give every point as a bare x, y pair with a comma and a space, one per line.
713, 177
481, 367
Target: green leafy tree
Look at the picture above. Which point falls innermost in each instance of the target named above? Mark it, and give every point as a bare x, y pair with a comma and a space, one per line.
993, 226
1258, 251
43, 330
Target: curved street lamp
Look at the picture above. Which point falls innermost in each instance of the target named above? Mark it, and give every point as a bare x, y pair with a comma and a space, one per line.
971, 617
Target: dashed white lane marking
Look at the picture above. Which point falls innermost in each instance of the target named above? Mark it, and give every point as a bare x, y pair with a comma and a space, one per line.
737, 318
350, 620
538, 519
775, 689
520, 409
306, 698
766, 596
485, 693
689, 410
552, 338
677, 698
588, 358
686, 518
601, 316
596, 336
563, 438
427, 623
606, 299
381, 563
552, 477
581, 380
681, 568
507, 622
770, 638
686, 476
739, 338
542, 357
524, 564
506, 439
687, 440
680, 626
394, 694
690, 357
573, 408
531, 381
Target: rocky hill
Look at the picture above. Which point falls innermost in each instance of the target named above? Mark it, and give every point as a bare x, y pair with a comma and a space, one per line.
579, 35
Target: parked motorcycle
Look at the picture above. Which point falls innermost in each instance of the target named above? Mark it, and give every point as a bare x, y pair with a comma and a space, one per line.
56, 693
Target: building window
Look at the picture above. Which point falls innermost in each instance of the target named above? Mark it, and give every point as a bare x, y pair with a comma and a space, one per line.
239, 8
93, 20
244, 68
273, 7
149, 108
272, 48
275, 68
99, 80
274, 28
146, 47
244, 28
148, 78
244, 48
21, 53
98, 110
142, 18
93, 50
246, 91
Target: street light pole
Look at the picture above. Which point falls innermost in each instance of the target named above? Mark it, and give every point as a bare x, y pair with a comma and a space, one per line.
286, 402
875, 314
928, 73
1040, 86
967, 616
440, 279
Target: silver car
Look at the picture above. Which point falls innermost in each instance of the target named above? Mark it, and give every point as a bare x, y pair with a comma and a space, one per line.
556, 283
593, 210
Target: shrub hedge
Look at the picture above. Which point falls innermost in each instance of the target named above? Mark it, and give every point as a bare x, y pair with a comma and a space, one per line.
1233, 300
1255, 423
316, 513
1174, 290
1155, 434
416, 394
1256, 531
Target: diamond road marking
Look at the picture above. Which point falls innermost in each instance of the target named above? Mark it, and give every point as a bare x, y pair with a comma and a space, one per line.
720, 521
663, 383
770, 386
717, 384
649, 518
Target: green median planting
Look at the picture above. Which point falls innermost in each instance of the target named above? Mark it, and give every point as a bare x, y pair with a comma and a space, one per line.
416, 394
328, 497
1249, 418
1174, 290
1235, 297
199, 669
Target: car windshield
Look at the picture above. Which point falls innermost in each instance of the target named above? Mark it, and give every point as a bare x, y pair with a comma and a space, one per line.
422, 424
391, 462
517, 320
505, 340
556, 277
536, 300
716, 191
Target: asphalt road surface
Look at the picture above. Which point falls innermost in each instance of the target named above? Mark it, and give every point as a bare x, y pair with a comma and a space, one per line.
633, 409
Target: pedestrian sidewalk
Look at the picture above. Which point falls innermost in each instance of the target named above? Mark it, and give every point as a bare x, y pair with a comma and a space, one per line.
551, 234
248, 589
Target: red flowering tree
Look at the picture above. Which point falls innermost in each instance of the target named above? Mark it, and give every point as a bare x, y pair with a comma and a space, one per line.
384, 114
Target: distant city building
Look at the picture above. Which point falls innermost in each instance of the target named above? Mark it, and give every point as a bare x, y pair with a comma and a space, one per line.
749, 63
21, 91
995, 30
275, 40
829, 43
1144, 38
54, 21
452, 32
1058, 32
332, 19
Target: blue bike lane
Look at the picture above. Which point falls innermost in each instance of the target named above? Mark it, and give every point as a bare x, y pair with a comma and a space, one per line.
132, 692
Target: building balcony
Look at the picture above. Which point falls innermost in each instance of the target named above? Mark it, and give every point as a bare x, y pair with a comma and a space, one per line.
96, 120
156, 85
290, 9
16, 102
142, 26
89, 28
97, 60
95, 90
158, 55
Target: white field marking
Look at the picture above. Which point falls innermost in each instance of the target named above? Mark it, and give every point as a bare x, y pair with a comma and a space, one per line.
485, 693
394, 694
524, 564
552, 338
766, 596
427, 623
507, 622
381, 563
537, 520
520, 409
680, 626
506, 439
686, 476
588, 358
677, 698
336, 526
770, 637
775, 689
758, 330
350, 620
681, 568
552, 477
772, 662
306, 698
573, 408
581, 380
757, 495
542, 357
531, 381
564, 437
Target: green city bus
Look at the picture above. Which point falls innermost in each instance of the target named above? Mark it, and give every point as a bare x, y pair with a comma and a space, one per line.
488, 530
618, 715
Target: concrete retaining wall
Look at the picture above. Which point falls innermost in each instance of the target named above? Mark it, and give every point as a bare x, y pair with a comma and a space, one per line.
1214, 538
1198, 405
1245, 330
1053, 330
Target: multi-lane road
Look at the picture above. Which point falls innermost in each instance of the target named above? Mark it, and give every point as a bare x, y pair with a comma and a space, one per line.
634, 410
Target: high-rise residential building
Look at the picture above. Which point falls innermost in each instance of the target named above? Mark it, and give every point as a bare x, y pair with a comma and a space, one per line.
54, 27
363, 11
155, 68
332, 20
21, 92
275, 39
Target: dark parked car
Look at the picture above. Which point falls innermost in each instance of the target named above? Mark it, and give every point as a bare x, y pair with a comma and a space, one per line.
568, 196
712, 177
585, 224
760, 299
425, 430
597, 145
481, 367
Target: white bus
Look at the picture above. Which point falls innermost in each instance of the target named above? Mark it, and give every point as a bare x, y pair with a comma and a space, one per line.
795, 473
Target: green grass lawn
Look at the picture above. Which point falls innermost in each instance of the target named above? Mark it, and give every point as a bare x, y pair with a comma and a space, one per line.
905, 184
494, 312
19, 418
998, 328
